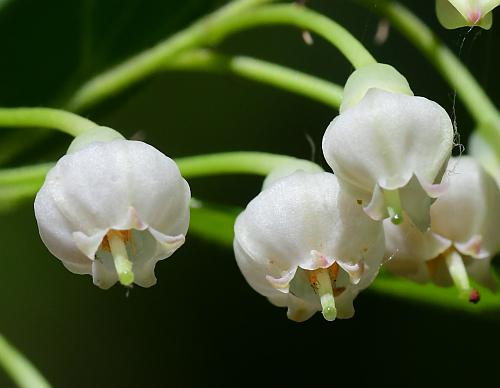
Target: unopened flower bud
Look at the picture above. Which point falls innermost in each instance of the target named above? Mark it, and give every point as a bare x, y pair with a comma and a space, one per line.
485, 155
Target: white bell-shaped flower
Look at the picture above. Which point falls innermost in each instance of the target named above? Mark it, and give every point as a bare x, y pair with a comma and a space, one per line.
308, 246
463, 237
113, 210
390, 151
482, 151
461, 13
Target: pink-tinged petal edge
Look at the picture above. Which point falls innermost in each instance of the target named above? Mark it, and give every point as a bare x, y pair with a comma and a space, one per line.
473, 247
355, 271
282, 283
317, 260
434, 190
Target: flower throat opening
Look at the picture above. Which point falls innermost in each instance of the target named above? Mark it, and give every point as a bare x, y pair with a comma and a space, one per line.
115, 242
323, 282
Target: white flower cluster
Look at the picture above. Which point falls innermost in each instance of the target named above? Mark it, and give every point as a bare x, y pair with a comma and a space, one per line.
311, 241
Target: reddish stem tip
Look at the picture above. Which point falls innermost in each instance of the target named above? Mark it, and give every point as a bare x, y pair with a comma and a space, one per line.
474, 296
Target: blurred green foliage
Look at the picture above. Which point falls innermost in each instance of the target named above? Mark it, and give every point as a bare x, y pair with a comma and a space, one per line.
201, 325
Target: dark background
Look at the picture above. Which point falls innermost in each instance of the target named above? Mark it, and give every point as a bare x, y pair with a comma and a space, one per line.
201, 325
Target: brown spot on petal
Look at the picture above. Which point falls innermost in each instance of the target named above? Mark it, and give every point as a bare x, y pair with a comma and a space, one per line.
474, 296
338, 291
334, 271
313, 279
359, 201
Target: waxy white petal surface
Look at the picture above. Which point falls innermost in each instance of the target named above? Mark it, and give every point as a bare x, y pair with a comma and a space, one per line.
466, 219
301, 223
118, 185
386, 141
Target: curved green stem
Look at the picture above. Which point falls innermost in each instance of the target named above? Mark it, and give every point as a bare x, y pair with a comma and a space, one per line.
23, 182
242, 162
261, 71
468, 90
19, 368
67, 122
4, 3
212, 30
147, 62
300, 17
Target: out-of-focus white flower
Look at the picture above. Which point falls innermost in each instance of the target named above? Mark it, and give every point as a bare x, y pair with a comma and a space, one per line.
307, 246
485, 155
463, 237
460, 13
390, 150
113, 210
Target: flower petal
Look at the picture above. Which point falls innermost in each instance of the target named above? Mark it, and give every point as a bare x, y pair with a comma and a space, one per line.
484, 153
282, 283
480, 270
408, 249
416, 203
104, 273
376, 209
116, 185
469, 209
386, 138
473, 247
460, 13
303, 223
355, 270
56, 234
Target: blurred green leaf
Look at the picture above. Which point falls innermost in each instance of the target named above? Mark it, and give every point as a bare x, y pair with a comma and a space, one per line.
3, 3
32, 175
13, 196
12, 143
51, 47
214, 223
